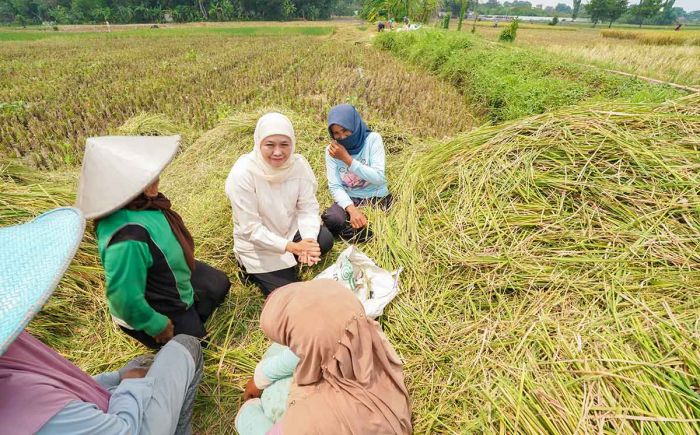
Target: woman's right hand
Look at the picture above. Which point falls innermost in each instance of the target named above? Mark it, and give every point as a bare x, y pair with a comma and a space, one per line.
357, 218
166, 334
251, 391
307, 247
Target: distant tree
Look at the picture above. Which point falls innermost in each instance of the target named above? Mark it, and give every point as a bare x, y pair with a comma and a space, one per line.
598, 10
667, 15
615, 10
424, 10
7, 12
373, 9
645, 10
606, 10
20, 20
575, 10
84, 10
462, 10
563, 8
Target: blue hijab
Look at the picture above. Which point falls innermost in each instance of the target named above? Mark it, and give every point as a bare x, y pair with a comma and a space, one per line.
347, 117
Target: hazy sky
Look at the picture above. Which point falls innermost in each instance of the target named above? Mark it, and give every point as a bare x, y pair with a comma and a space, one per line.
688, 5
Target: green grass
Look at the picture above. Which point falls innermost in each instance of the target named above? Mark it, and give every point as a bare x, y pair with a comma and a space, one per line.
27, 35
243, 31
506, 82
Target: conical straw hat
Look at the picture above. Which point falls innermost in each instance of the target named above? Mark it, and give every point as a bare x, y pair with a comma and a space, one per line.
116, 169
33, 258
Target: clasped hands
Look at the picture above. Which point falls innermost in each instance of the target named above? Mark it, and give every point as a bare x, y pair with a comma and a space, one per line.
308, 251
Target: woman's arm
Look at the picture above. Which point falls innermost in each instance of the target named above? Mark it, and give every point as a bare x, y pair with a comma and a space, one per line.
124, 415
308, 218
276, 367
126, 266
335, 185
374, 172
244, 203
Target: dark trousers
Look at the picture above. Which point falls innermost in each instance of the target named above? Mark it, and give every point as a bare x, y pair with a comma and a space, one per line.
338, 220
271, 281
210, 289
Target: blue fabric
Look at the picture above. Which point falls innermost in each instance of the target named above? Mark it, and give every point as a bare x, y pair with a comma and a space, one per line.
349, 118
251, 419
278, 365
279, 362
258, 415
33, 258
364, 178
155, 404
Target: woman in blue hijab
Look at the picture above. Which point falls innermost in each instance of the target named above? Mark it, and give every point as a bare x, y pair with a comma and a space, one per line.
355, 163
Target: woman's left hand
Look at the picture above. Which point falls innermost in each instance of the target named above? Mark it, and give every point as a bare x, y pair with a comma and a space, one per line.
337, 151
309, 258
251, 391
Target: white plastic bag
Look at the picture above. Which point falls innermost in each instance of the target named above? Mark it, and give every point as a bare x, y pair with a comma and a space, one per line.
373, 286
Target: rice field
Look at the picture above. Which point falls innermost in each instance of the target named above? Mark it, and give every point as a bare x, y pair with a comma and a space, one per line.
552, 261
655, 37
677, 61
56, 91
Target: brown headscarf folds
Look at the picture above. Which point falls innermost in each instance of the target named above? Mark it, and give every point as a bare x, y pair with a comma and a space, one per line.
349, 378
177, 225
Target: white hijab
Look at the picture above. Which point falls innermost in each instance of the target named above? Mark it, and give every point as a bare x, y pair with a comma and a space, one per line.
270, 124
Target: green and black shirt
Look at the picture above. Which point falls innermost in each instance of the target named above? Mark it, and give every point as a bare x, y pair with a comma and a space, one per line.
147, 276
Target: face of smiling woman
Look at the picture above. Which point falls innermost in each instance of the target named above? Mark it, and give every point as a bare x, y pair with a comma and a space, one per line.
276, 149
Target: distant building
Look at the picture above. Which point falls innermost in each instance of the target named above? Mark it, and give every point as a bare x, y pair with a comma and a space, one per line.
527, 18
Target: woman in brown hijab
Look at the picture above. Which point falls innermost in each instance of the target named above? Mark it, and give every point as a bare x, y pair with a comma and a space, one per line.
348, 379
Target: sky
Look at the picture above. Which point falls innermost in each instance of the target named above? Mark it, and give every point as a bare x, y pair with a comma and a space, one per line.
688, 5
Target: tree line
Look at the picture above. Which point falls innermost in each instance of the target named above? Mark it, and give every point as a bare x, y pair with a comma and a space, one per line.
25, 12
660, 12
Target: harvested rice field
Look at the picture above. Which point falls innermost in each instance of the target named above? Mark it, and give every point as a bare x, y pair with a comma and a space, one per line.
667, 55
550, 244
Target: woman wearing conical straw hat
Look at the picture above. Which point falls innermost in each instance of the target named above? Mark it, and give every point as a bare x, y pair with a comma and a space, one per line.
275, 212
347, 378
155, 287
41, 391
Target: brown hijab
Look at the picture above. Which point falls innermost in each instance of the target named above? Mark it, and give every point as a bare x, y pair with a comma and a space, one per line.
349, 378
177, 225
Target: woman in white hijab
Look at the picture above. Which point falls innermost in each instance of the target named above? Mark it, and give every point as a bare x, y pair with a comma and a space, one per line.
275, 212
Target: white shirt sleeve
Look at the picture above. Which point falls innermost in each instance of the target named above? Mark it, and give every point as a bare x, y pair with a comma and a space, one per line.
244, 202
308, 218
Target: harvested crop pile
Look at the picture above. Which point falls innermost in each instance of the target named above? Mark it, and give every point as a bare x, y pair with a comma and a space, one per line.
554, 283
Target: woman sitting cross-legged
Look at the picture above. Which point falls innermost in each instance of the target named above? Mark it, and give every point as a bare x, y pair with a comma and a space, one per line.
155, 287
355, 162
341, 373
275, 212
